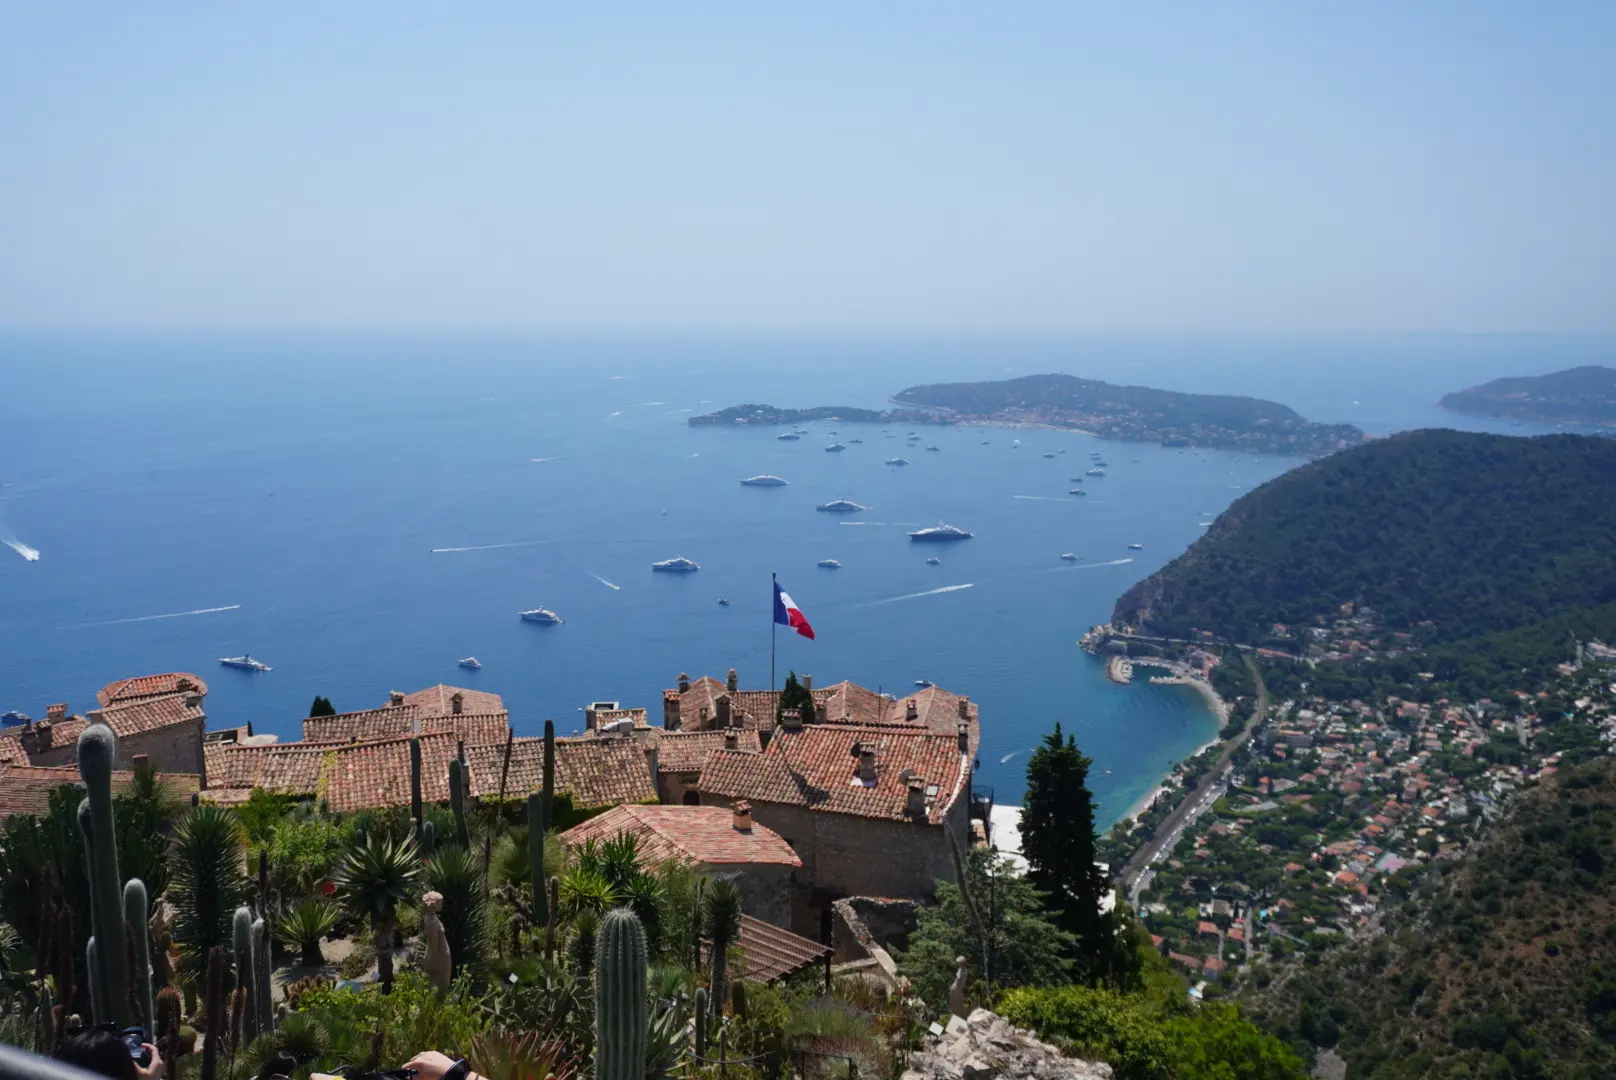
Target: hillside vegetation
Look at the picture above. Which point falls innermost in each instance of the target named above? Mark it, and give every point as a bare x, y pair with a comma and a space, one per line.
1581, 395
1476, 533
1504, 968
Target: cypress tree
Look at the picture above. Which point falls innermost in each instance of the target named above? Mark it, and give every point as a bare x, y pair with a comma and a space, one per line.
1057, 840
322, 707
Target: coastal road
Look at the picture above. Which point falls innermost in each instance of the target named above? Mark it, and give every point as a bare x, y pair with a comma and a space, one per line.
1198, 801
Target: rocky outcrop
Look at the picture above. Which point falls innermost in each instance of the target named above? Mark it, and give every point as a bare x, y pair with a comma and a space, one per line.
986, 1047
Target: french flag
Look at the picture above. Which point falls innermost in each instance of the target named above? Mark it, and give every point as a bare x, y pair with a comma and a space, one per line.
787, 613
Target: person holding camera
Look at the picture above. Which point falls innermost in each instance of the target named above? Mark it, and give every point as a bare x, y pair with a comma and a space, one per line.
111, 1053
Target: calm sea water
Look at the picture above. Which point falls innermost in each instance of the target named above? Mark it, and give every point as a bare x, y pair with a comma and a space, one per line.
360, 511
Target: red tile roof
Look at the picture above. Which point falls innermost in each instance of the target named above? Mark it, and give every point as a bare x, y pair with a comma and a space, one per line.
144, 686
26, 789
134, 717
51, 735
817, 768
439, 700
697, 834
769, 953
688, 751
593, 771
385, 723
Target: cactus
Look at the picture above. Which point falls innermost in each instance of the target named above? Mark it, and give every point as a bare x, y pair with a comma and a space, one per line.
45, 1038
166, 1030
135, 912
213, 1014
457, 801
737, 1000
263, 1018
415, 785
162, 940
263, 880
98, 1007
429, 839
549, 773
97, 749
241, 938
621, 1003
549, 927
535, 857
701, 1023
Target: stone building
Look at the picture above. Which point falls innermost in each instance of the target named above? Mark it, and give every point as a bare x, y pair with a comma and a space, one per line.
157, 717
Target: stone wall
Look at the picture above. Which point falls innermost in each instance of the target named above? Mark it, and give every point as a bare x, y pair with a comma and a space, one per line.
985, 1047
766, 891
175, 749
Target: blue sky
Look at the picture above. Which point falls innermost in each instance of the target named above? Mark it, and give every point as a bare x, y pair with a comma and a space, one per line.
886, 166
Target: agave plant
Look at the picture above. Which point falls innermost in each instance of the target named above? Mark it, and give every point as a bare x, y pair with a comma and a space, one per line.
666, 1038
207, 884
375, 877
302, 925
509, 863
585, 890
510, 1055
645, 897
721, 914
457, 875
581, 945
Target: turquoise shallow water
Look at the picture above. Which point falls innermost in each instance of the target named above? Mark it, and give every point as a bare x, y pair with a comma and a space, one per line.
302, 483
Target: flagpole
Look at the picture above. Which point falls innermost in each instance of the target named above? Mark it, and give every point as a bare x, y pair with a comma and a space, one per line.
773, 584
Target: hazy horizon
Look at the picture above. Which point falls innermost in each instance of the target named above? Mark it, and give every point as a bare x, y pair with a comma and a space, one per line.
1049, 169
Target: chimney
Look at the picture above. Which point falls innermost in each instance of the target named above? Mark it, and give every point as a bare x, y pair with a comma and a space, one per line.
185, 684
790, 720
732, 741
140, 761
395, 698
456, 703
807, 682
915, 807
911, 710
671, 718
684, 683
965, 738
866, 763
56, 712
193, 701
743, 816
701, 725
733, 682
964, 708
723, 710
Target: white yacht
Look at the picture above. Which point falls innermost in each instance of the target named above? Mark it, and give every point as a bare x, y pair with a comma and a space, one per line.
790, 436
1095, 472
835, 448
922, 683
471, 662
243, 663
840, 506
677, 565
1136, 547
940, 532
764, 481
934, 448
933, 561
1069, 557
1076, 491
896, 461
723, 601
1049, 455
850, 441
542, 615
830, 564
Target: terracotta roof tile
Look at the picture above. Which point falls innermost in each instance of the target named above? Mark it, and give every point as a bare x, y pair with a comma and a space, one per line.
143, 686
387, 722
698, 834
769, 953
477, 729
26, 789
14, 750
688, 751
817, 768
439, 700
593, 771
150, 713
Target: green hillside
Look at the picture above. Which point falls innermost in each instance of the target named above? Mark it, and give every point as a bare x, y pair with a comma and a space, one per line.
1505, 968
1582, 395
1476, 533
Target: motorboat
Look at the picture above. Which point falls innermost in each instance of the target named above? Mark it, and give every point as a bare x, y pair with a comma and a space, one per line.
1136, 547
243, 663
922, 683
855, 441
471, 663
14, 719
677, 565
765, 480
933, 561
723, 601
830, 564
790, 436
938, 533
934, 448
1077, 491
1069, 557
1049, 455
1095, 472
835, 448
896, 461
542, 615
840, 506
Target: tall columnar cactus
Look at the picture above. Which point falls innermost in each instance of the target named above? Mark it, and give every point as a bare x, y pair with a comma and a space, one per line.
621, 1004
457, 801
701, 1023
737, 1000
550, 926
97, 749
549, 773
213, 1016
135, 913
535, 857
166, 1030
415, 784
241, 939
263, 1018
92, 967
429, 839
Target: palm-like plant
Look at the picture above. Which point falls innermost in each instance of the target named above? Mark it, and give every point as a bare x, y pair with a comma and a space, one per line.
457, 874
509, 863
302, 925
375, 878
721, 916
207, 884
645, 897
584, 890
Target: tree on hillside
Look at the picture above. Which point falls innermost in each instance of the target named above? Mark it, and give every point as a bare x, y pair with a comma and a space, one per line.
794, 695
322, 707
1058, 842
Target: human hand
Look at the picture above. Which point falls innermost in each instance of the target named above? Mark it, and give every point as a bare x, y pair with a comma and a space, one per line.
430, 1065
154, 1071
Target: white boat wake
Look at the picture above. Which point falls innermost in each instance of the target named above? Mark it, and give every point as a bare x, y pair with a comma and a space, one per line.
1040, 498
646, 404
558, 457
689, 456
917, 595
490, 547
604, 582
28, 553
619, 412
153, 618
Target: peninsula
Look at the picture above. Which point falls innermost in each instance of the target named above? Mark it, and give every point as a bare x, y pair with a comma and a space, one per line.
1584, 396
1132, 413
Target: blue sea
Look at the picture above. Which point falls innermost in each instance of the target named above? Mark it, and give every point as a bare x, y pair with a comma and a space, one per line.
361, 510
